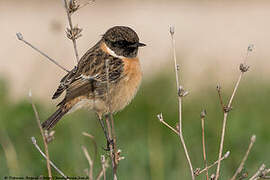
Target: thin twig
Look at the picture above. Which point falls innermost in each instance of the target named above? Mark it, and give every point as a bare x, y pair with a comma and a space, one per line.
203, 114
224, 124
112, 154
20, 37
114, 138
220, 97
180, 103
90, 162
261, 173
264, 173
34, 141
160, 117
212, 165
43, 136
104, 164
243, 68
241, 166
85, 4
92, 138
116, 153
103, 161
257, 174
71, 28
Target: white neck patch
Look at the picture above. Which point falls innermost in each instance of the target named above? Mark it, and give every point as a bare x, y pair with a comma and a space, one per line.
112, 53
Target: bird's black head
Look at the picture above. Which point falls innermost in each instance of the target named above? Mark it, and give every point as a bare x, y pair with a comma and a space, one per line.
123, 41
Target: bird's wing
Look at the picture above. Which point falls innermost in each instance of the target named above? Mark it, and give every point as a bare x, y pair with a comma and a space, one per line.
65, 82
89, 78
72, 76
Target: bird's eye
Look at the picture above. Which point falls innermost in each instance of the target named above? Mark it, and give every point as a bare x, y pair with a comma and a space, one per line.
120, 44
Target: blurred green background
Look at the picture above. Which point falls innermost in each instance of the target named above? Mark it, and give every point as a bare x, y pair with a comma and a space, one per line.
151, 151
211, 38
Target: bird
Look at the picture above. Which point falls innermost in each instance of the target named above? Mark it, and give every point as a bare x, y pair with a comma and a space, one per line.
105, 79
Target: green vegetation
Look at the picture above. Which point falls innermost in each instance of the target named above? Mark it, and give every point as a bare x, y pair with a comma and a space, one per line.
151, 150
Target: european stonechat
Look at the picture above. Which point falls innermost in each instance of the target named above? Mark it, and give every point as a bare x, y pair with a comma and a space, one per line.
114, 58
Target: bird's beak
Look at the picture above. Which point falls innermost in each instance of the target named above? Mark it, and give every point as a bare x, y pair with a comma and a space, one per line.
141, 44
137, 45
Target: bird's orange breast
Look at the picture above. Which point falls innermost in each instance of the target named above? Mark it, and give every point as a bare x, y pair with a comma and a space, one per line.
126, 89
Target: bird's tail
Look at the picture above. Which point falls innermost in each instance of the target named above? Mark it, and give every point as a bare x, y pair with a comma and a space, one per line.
54, 118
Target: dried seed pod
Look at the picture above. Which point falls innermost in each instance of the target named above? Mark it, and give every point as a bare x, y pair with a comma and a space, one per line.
243, 68
160, 117
74, 33
227, 109
182, 92
73, 6
172, 30
203, 113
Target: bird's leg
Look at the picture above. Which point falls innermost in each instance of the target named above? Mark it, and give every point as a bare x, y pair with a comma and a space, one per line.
110, 142
100, 119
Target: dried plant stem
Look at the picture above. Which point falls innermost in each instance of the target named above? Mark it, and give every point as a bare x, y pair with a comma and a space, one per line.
115, 154
220, 97
180, 104
160, 117
203, 144
225, 122
111, 146
90, 162
34, 141
257, 174
241, 166
92, 138
104, 164
85, 4
71, 28
243, 68
100, 175
212, 165
103, 161
43, 137
20, 37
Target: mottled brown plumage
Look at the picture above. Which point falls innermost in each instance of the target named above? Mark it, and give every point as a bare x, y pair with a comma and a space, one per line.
86, 84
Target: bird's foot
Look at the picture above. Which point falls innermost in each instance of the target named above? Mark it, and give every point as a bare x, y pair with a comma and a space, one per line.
110, 142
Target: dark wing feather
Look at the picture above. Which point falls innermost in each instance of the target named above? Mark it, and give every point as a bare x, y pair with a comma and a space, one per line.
65, 82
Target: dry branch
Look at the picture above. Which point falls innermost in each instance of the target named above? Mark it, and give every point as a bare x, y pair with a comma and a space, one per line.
261, 173
43, 137
20, 37
241, 166
181, 93
160, 117
220, 97
92, 138
243, 68
226, 155
34, 141
104, 164
203, 114
258, 173
72, 33
90, 162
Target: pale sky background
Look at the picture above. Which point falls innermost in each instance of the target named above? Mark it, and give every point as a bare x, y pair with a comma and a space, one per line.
211, 37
